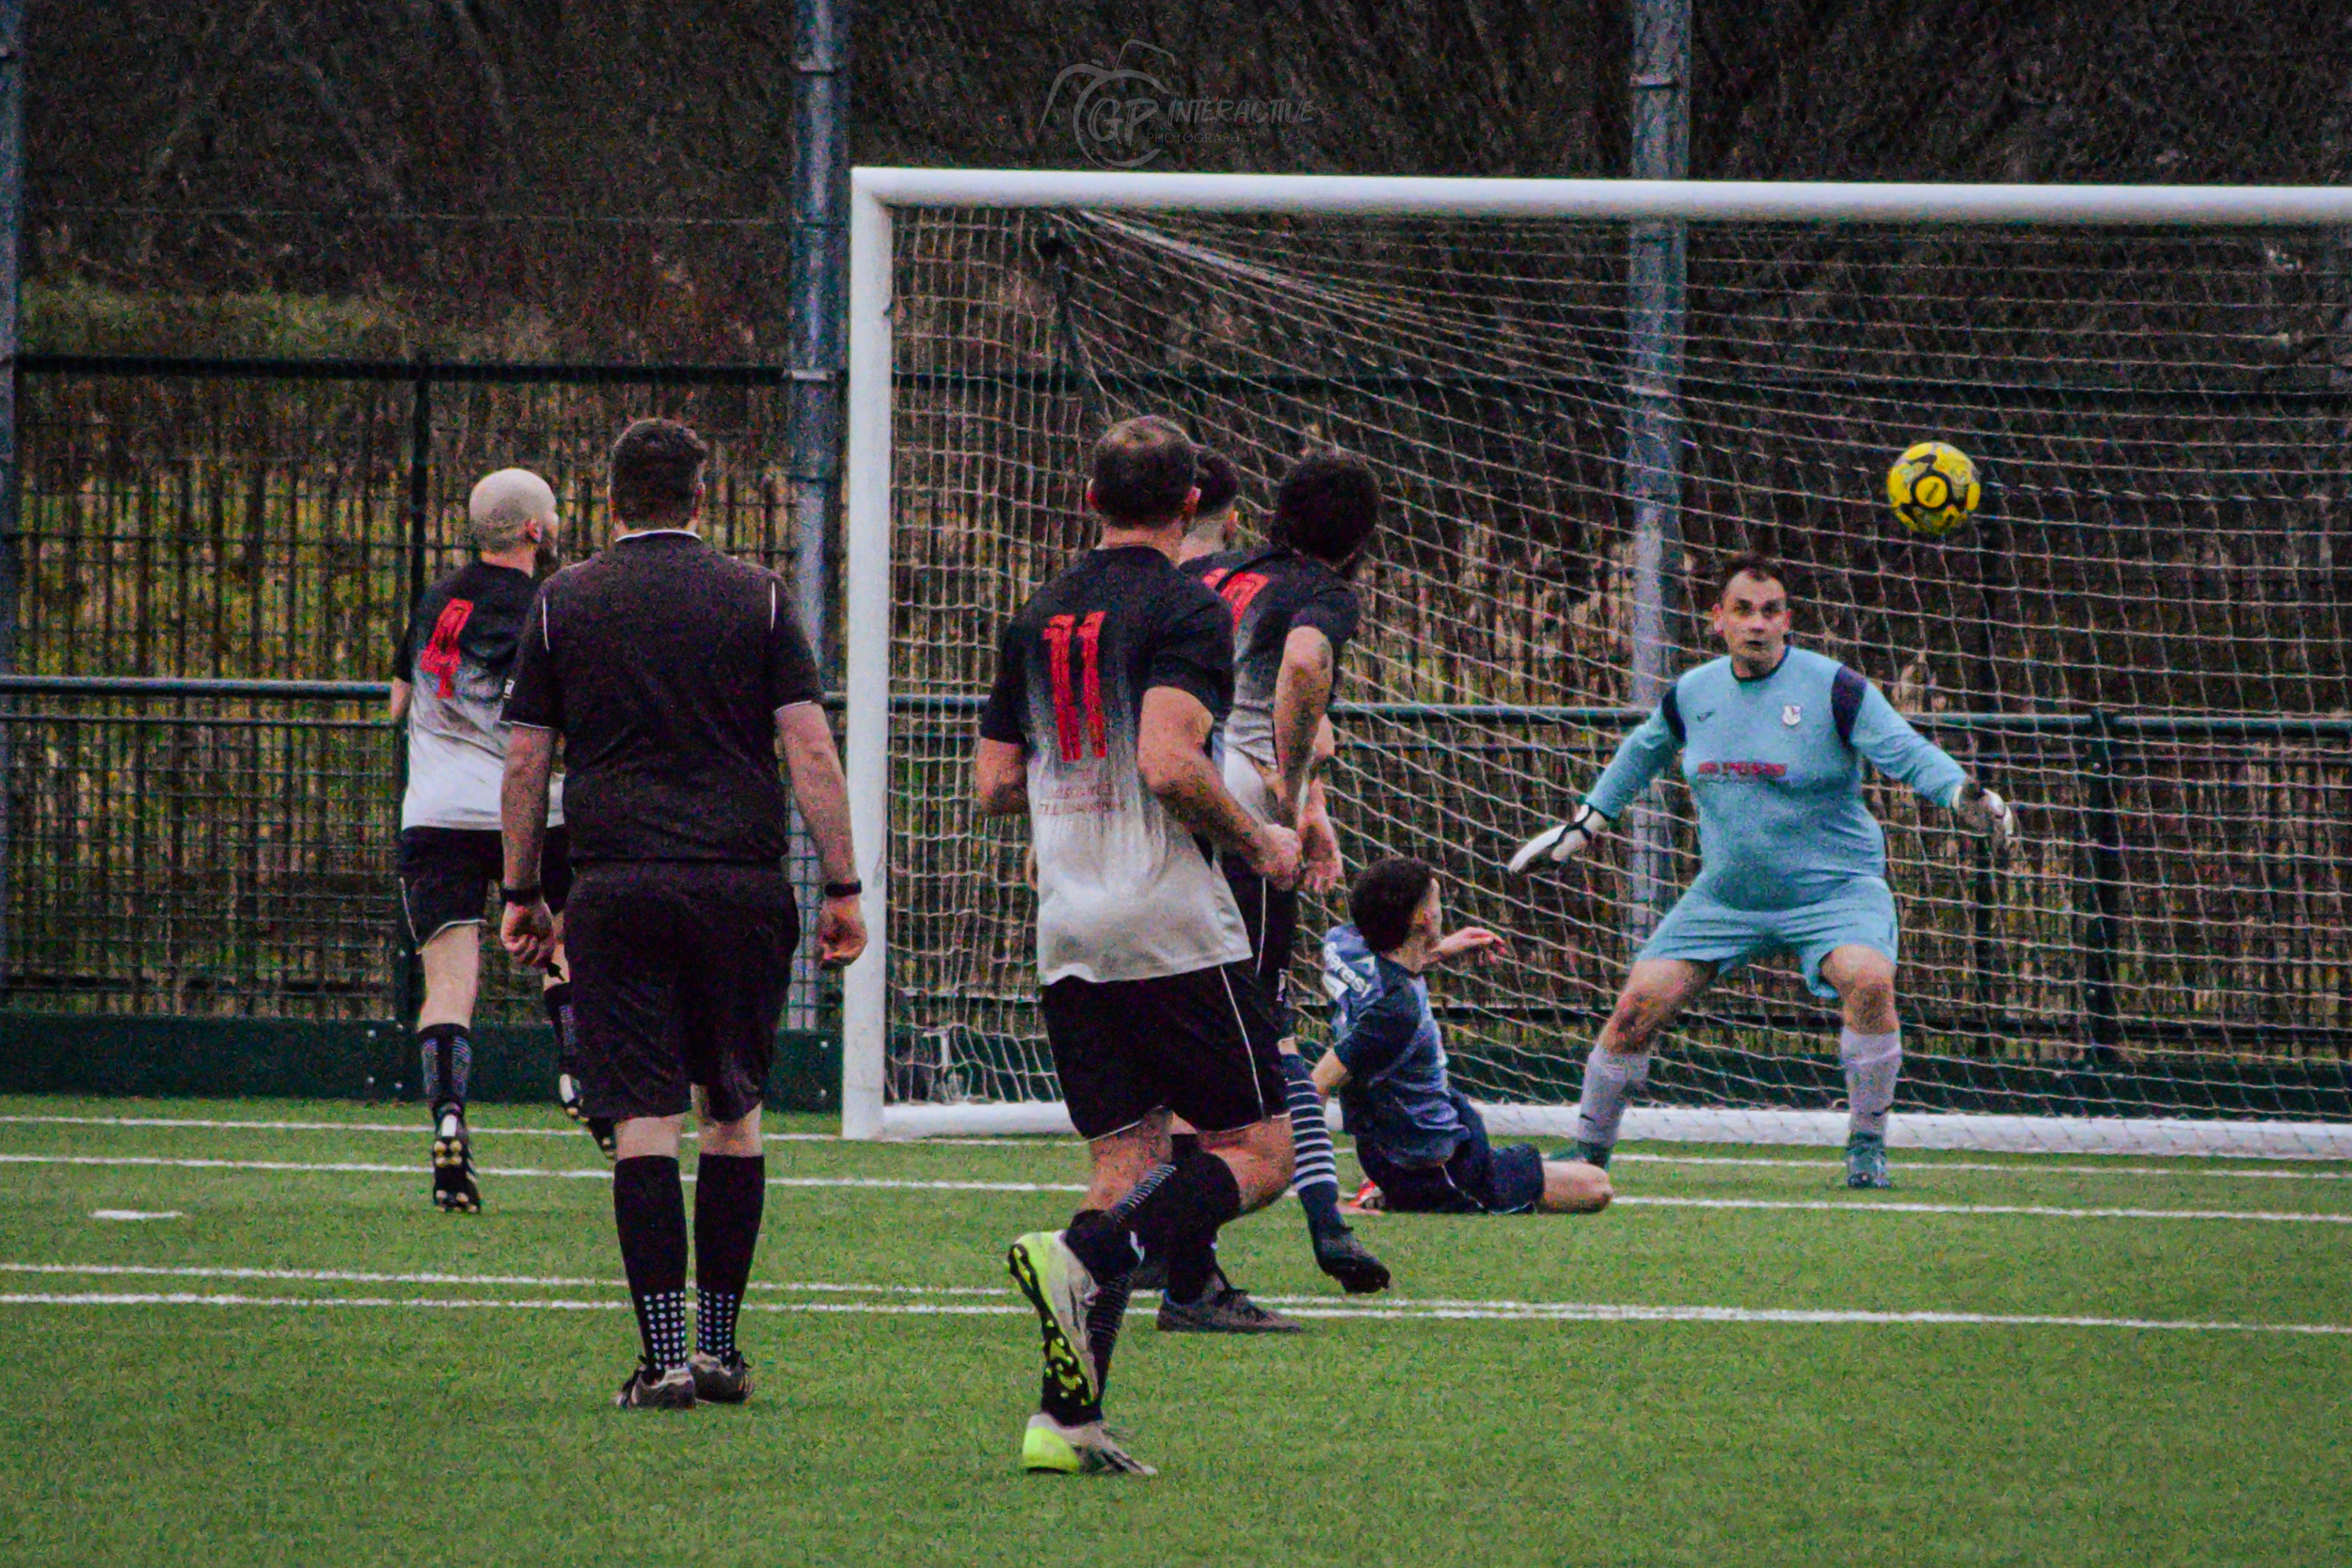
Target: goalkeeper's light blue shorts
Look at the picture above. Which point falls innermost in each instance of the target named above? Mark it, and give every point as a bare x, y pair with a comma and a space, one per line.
1702, 928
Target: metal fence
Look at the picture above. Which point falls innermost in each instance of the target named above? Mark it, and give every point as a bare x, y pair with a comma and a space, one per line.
216, 563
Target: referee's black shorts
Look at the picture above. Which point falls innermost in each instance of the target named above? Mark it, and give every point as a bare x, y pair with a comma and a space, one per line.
1270, 915
678, 977
1199, 1044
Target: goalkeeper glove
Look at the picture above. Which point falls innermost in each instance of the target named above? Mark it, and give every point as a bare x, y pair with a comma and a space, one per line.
1987, 813
1563, 842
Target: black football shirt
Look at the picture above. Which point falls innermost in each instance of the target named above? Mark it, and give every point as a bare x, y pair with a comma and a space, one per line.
663, 663
1124, 890
1270, 592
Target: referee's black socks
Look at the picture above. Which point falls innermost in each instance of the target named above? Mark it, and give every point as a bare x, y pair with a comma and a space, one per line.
649, 1210
730, 1190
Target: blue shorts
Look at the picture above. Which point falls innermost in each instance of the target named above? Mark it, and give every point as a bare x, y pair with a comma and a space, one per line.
1703, 930
1478, 1178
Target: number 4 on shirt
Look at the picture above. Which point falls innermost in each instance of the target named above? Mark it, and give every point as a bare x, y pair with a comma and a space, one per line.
1060, 632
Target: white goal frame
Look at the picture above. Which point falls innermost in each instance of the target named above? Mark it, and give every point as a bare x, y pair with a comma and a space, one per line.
876, 193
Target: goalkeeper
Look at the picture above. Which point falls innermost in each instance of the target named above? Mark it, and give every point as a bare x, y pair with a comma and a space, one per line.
1772, 740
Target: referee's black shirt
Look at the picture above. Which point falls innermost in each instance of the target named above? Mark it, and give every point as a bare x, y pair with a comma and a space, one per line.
663, 663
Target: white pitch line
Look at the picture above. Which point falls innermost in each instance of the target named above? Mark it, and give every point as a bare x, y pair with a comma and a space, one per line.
1503, 1312
591, 1173
1910, 1167
358, 1277
412, 1129
1624, 1156
2037, 1210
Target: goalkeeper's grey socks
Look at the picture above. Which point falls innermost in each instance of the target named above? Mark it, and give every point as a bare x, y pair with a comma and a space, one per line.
730, 1190
1610, 1079
1872, 1064
446, 1053
1315, 1174
649, 1210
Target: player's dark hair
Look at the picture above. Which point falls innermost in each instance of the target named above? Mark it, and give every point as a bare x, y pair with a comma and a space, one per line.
1143, 469
1385, 897
657, 469
1217, 481
1749, 563
1328, 506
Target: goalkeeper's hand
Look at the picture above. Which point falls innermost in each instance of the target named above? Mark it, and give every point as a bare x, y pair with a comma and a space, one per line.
1987, 815
1563, 842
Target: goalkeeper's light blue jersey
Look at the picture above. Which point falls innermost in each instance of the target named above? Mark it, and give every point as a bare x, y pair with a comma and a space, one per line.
1774, 765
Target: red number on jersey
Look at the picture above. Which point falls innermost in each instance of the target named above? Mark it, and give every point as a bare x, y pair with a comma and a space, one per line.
1077, 744
440, 656
1239, 590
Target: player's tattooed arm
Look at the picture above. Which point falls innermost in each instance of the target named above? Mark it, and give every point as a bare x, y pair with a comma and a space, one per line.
1302, 694
1172, 755
1000, 778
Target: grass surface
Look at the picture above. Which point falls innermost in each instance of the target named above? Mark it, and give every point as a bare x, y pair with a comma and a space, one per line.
883, 1426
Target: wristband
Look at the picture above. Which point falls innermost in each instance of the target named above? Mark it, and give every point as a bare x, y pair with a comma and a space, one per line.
844, 890
519, 894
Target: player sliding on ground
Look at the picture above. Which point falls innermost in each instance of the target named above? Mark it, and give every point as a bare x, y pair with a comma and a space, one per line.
1772, 741
1420, 1140
1110, 683
448, 679
1293, 612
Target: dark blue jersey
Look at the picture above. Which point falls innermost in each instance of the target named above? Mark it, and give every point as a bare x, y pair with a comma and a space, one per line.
1397, 1096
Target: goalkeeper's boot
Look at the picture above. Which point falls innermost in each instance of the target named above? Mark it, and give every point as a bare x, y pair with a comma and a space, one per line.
720, 1379
1223, 1309
453, 1187
1046, 1272
1866, 1163
649, 1389
1344, 1258
1049, 1448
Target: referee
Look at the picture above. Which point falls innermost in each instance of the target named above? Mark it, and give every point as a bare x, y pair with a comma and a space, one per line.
674, 674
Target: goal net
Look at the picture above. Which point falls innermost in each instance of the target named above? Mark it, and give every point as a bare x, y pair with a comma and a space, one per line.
2140, 637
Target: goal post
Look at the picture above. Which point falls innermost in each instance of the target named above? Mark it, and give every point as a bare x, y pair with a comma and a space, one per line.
2141, 636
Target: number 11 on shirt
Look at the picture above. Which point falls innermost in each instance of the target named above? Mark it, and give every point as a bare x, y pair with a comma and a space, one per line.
1060, 632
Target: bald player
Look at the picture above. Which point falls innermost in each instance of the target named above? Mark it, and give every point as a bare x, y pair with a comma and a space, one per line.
449, 683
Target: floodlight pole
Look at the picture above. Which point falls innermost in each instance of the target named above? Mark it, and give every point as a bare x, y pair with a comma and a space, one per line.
816, 358
1655, 270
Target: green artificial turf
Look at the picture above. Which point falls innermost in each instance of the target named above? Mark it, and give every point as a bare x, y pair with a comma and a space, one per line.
411, 1434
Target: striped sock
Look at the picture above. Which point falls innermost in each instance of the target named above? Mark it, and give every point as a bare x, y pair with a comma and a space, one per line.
1315, 1174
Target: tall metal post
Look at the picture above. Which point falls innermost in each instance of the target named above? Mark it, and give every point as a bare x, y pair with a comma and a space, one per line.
815, 357
407, 967
1653, 428
11, 246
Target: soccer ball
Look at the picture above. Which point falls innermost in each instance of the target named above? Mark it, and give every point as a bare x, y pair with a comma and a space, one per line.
1933, 488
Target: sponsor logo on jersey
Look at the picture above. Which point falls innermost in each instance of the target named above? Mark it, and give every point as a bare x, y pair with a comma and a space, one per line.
1792, 713
1743, 771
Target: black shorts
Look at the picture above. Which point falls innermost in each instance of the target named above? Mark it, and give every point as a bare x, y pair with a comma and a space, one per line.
448, 874
678, 977
1480, 1179
1200, 1044
1271, 916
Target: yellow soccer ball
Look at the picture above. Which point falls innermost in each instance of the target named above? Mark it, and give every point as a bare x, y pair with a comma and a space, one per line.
1933, 488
